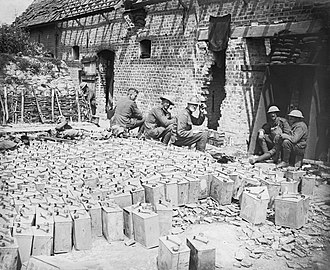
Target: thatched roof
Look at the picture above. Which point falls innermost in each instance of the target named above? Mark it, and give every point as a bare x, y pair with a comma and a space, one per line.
48, 11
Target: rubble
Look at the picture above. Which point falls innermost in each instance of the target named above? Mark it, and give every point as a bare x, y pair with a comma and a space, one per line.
71, 175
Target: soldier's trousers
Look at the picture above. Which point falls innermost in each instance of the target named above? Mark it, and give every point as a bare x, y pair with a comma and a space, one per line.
199, 138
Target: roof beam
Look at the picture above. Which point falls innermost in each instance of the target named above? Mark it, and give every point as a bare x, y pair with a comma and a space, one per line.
296, 28
105, 17
254, 31
79, 23
69, 18
148, 3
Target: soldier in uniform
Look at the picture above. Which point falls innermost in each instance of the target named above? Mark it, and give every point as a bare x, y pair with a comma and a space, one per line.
159, 122
184, 135
127, 114
296, 141
269, 136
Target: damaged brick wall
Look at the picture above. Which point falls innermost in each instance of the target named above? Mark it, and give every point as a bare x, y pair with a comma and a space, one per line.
243, 88
179, 65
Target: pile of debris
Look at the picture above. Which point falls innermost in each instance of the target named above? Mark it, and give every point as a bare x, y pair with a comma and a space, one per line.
89, 180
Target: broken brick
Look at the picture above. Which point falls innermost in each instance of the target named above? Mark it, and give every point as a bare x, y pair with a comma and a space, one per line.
287, 248
246, 263
240, 255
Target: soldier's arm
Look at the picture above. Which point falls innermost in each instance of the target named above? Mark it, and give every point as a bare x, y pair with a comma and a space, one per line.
182, 120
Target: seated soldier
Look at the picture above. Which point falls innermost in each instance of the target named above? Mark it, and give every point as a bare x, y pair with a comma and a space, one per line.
184, 135
159, 122
269, 136
127, 115
64, 130
295, 142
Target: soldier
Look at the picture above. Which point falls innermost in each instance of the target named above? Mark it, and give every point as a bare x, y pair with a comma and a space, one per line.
184, 135
159, 122
127, 115
269, 136
296, 141
64, 130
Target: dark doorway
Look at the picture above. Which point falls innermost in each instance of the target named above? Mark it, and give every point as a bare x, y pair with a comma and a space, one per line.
292, 88
300, 87
106, 70
216, 90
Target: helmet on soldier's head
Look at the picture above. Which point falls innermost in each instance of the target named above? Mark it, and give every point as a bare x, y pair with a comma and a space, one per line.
168, 98
273, 109
194, 100
83, 85
296, 113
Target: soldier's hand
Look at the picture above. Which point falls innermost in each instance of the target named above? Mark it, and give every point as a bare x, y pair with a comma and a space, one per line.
202, 108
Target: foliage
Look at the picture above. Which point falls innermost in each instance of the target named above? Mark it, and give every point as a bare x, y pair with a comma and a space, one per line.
4, 60
15, 40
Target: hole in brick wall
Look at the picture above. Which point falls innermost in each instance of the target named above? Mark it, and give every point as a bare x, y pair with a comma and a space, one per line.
75, 52
214, 89
145, 48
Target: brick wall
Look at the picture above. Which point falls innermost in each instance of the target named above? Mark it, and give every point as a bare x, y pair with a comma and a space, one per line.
179, 65
243, 88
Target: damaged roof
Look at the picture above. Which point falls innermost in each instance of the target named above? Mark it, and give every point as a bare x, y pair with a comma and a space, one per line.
48, 11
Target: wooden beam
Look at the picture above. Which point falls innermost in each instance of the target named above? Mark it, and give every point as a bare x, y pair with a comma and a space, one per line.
148, 3
105, 17
255, 68
295, 28
69, 18
79, 23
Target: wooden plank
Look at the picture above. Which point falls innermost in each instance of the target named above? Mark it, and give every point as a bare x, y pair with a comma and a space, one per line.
303, 27
6, 103
38, 106
259, 68
22, 105
53, 111
3, 109
73, 17
147, 3
58, 102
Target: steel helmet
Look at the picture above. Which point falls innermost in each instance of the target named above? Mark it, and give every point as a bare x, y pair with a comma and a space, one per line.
296, 113
168, 99
273, 109
83, 85
194, 100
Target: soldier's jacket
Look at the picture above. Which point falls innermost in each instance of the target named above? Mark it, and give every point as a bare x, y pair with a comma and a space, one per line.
126, 113
279, 126
299, 134
185, 120
158, 117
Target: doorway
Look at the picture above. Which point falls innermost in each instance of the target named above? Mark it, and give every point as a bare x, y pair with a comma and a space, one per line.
106, 71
